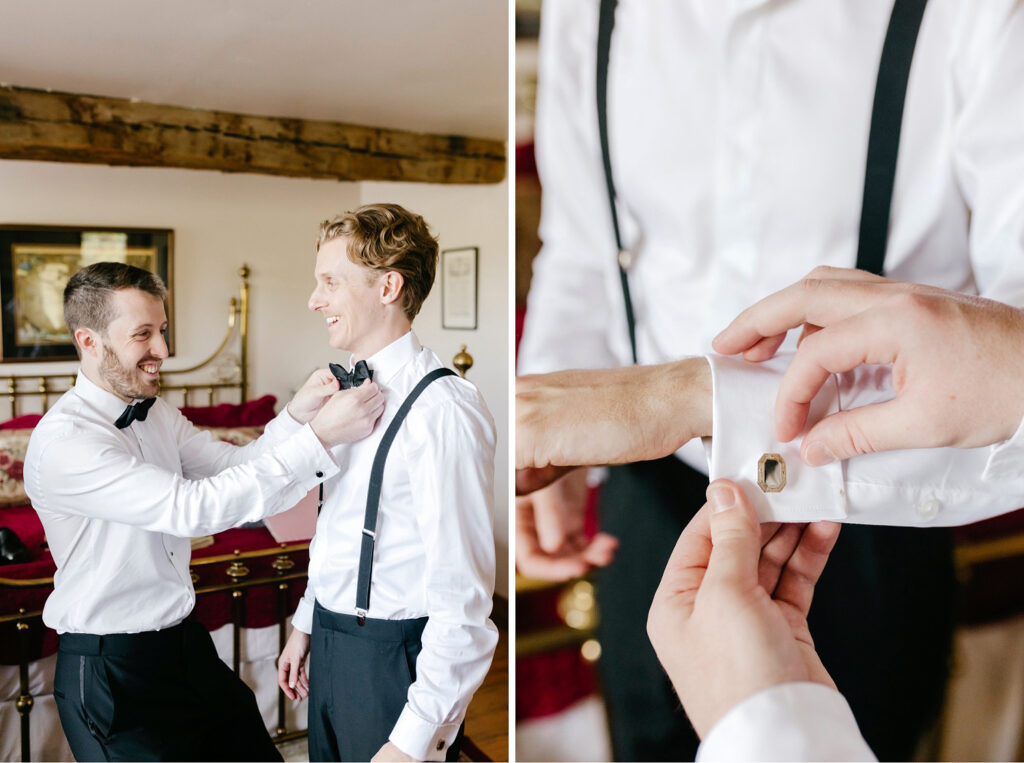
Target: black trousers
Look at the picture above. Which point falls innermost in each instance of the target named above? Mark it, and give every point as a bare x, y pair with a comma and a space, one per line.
359, 678
161, 695
882, 619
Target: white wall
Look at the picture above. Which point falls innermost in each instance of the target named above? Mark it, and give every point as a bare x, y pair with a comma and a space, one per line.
221, 221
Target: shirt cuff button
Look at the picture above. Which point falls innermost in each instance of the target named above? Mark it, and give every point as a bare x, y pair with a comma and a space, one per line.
440, 745
320, 475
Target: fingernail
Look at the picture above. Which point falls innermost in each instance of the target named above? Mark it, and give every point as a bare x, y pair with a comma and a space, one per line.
291, 684
721, 498
818, 454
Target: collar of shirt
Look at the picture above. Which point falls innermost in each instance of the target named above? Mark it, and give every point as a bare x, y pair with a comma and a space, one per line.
107, 403
389, 361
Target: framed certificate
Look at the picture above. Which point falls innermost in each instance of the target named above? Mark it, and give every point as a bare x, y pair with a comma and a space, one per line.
458, 288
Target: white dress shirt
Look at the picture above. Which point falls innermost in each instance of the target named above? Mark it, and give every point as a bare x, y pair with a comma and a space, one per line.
792, 721
738, 133
119, 505
434, 552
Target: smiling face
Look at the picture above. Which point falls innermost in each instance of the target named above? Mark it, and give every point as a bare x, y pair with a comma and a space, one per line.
349, 297
128, 355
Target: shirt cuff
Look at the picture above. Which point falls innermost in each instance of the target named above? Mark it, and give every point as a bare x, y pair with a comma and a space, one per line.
306, 457
283, 425
421, 739
1006, 460
303, 617
743, 412
791, 721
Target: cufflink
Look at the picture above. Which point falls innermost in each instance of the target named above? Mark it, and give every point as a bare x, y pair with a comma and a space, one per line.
771, 473
319, 475
440, 745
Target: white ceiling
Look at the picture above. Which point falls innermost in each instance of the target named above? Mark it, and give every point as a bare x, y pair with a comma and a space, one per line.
438, 66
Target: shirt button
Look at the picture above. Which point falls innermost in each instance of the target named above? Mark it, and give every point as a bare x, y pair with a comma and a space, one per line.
440, 745
928, 508
320, 475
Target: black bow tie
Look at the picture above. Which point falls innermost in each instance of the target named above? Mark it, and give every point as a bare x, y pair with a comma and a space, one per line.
353, 378
135, 412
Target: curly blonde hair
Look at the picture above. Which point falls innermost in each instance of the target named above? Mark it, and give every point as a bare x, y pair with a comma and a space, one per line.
388, 237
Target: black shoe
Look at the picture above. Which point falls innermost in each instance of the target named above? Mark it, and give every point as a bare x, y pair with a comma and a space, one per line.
12, 550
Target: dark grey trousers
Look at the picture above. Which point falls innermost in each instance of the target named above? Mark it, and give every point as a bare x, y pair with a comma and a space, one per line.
359, 678
161, 695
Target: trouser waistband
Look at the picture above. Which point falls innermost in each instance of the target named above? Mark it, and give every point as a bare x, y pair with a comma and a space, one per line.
373, 628
155, 643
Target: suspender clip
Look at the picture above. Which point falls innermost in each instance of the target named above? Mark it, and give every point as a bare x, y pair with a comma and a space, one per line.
369, 532
361, 616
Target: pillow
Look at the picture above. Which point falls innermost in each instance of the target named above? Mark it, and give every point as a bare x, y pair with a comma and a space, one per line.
27, 421
255, 413
13, 444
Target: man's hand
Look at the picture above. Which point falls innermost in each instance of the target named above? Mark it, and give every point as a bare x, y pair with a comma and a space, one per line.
612, 416
312, 395
348, 415
291, 666
730, 616
390, 752
550, 544
957, 362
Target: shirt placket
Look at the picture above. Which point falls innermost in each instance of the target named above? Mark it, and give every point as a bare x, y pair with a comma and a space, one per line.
739, 119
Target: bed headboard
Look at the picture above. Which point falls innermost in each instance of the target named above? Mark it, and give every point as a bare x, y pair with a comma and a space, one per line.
225, 371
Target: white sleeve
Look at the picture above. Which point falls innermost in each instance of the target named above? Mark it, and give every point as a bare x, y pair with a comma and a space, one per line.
451, 469
792, 721
571, 306
923, 487
92, 474
204, 456
303, 617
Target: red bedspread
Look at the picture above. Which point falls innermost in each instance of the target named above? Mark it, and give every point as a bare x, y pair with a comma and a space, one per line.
212, 610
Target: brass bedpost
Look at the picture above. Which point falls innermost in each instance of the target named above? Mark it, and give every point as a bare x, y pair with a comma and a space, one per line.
281, 565
244, 272
237, 572
25, 701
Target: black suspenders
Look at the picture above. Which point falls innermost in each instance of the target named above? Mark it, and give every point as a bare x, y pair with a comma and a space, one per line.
373, 494
883, 141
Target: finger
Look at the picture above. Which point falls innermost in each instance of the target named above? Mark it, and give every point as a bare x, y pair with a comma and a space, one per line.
868, 429
864, 338
601, 550
765, 348
530, 479
687, 564
282, 677
818, 301
735, 537
808, 329
302, 686
775, 554
532, 561
293, 673
804, 567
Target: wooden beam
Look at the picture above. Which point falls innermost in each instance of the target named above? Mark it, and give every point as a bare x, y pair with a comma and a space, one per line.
65, 127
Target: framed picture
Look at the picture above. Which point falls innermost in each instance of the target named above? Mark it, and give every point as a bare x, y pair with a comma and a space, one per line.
458, 288
35, 265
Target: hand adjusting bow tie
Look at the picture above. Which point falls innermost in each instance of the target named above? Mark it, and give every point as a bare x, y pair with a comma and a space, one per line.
135, 412
353, 378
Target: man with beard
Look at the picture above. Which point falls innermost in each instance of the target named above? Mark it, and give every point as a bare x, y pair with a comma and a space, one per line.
120, 481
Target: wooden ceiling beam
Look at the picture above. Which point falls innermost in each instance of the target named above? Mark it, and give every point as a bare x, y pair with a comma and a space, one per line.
66, 127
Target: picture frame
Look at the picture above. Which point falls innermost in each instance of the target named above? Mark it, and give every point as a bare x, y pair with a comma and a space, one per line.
459, 284
36, 262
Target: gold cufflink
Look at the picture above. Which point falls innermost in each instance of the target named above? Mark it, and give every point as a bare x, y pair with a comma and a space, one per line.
440, 745
771, 473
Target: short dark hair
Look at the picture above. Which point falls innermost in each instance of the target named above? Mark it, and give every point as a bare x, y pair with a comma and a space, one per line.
385, 237
87, 295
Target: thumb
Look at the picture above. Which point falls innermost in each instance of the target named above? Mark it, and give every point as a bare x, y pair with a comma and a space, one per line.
735, 536
868, 429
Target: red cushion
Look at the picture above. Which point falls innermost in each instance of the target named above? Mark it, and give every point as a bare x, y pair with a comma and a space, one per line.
28, 421
254, 413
